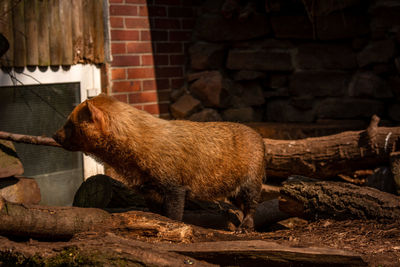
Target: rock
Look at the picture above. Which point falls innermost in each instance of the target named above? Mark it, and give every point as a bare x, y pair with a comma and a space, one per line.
376, 52
246, 114
338, 25
253, 94
196, 75
212, 89
215, 28
20, 190
397, 63
323, 8
384, 16
206, 56
394, 112
246, 75
267, 60
367, 84
348, 108
10, 164
176, 94
302, 102
278, 81
279, 92
394, 84
325, 56
283, 111
319, 83
291, 27
341, 25
207, 114
185, 106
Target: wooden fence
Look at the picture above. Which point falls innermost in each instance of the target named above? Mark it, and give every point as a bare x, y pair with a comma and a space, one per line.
52, 32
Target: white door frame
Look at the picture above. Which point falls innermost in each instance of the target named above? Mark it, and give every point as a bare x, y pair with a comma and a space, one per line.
90, 83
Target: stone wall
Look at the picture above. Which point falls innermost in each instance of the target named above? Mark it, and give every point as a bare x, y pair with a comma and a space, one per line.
293, 61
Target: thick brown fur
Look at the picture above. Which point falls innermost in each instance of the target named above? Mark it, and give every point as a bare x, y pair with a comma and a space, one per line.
178, 159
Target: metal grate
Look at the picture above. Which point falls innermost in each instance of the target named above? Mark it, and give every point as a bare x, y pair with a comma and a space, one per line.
41, 110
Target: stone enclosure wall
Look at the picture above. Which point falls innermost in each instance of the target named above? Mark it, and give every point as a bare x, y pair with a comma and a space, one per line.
292, 61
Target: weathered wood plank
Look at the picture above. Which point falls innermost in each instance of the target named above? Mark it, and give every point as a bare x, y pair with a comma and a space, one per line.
31, 29
66, 30
88, 30
43, 33
55, 33
19, 35
77, 31
98, 32
263, 253
6, 28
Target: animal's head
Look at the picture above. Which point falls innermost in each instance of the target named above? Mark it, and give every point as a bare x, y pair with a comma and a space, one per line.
86, 125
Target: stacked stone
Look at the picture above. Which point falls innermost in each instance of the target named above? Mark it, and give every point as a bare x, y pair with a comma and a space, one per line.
290, 61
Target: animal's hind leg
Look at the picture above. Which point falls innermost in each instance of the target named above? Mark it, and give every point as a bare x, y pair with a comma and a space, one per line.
246, 200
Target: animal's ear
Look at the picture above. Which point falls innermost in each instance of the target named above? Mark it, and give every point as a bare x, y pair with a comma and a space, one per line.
96, 116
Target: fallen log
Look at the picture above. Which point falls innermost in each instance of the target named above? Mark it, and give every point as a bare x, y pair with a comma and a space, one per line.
262, 253
338, 200
328, 156
57, 223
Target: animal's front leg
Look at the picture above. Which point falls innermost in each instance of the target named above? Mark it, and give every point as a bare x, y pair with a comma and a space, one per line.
174, 202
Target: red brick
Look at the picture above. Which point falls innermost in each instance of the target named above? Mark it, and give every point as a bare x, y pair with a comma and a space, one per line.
136, 47
159, 36
149, 85
136, 1
116, 1
177, 83
164, 96
125, 61
147, 60
137, 23
177, 59
121, 97
188, 23
123, 10
145, 36
156, 109
168, 72
116, 22
160, 23
124, 35
118, 74
175, 36
143, 97
126, 86
141, 73
157, 11
180, 12
168, 48
118, 48
163, 84
143, 11
168, 2
160, 60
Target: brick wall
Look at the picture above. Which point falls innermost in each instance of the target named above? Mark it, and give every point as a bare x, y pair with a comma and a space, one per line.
149, 41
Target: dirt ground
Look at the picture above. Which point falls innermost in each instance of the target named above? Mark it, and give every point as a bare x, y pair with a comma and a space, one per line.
377, 243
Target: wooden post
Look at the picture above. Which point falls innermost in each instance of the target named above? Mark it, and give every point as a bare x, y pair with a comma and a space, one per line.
19, 35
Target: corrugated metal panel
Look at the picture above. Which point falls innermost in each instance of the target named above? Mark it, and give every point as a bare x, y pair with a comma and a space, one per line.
52, 32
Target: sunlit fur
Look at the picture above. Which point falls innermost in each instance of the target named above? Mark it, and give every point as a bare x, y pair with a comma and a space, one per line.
210, 159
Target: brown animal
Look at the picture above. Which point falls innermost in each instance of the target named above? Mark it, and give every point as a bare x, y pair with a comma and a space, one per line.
177, 159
